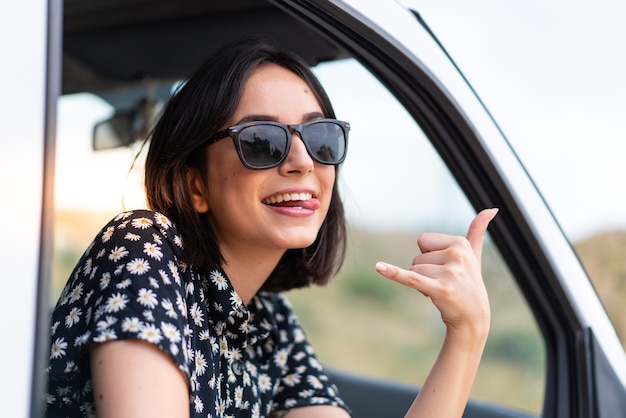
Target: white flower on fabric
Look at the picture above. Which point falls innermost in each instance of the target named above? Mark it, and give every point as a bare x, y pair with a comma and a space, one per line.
234, 354
106, 335
174, 271
73, 317
118, 270
124, 284
93, 273
212, 382
147, 298
215, 347
189, 288
164, 277
142, 223
181, 304
201, 363
314, 363
218, 280
132, 237
256, 411
131, 324
58, 348
148, 315
107, 234
281, 356
87, 266
150, 333
235, 300
138, 266
152, 250
116, 303
76, 293
245, 377
162, 221
82, 339
87, 297
153, 282
196, 314
168, 306
105, 324
292, 379
105, 280
307, 393
238, 396
314, 382
198, 405
156, 238
170, 332
118, 253
174, 349
265, 383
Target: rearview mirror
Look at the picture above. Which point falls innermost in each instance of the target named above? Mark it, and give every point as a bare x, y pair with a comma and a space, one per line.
126, 127
115, 132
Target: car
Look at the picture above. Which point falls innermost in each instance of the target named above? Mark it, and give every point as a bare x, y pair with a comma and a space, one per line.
424, 147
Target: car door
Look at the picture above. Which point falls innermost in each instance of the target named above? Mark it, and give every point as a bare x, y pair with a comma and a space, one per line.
30, 47
457, 160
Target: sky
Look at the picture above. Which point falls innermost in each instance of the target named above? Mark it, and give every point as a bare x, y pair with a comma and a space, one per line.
551, 73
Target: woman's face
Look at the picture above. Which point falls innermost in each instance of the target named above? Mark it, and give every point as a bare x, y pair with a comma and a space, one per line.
237, 199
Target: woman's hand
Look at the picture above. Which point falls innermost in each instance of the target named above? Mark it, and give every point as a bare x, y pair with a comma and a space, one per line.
448, 270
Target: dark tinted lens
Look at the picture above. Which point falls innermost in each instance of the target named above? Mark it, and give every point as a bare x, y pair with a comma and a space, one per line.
326, 141
262, 145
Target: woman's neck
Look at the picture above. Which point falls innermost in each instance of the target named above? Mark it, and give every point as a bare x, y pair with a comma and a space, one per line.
247, 273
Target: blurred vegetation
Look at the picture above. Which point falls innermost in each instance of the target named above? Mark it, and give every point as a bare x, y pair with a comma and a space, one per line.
365, 324
604, 258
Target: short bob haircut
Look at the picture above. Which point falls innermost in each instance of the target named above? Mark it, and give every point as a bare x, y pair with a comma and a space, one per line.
200, 107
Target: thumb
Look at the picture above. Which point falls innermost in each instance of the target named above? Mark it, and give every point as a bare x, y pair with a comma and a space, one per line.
477, 229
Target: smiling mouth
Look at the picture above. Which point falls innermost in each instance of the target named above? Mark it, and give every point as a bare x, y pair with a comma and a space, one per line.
287, 198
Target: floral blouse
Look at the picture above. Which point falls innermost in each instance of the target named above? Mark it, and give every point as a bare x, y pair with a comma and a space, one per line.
240, 360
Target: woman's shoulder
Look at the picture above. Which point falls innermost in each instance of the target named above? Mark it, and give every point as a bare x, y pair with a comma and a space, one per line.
138, 226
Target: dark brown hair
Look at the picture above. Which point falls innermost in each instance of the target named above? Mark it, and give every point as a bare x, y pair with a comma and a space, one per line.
199, 108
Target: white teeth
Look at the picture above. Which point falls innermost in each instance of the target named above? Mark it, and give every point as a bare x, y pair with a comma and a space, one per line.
287, 197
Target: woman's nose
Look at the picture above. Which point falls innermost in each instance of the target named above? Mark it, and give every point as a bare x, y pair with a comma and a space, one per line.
298, 160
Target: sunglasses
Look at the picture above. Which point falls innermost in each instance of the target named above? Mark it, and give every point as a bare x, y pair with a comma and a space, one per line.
265, 144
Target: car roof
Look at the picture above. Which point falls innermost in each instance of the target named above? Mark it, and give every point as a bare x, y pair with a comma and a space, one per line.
114, 44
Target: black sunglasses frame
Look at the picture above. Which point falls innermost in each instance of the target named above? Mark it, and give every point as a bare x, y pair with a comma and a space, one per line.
289, 130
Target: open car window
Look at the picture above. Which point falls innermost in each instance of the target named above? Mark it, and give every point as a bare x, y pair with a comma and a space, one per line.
395, 186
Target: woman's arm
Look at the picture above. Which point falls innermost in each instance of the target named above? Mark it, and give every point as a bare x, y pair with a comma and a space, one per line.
133, 378
449, 272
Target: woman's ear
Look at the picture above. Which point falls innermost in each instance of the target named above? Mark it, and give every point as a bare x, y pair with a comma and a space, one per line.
197, 190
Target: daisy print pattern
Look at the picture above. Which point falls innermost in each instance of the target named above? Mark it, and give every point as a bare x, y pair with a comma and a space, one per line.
240, 360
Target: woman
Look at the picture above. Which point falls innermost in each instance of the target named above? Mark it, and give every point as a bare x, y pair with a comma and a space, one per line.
178, 311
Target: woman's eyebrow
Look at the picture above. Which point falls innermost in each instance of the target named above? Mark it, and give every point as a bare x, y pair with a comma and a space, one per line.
252, 118
312, 116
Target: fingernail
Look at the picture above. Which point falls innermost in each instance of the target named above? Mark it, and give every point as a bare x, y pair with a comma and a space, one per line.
381, 266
